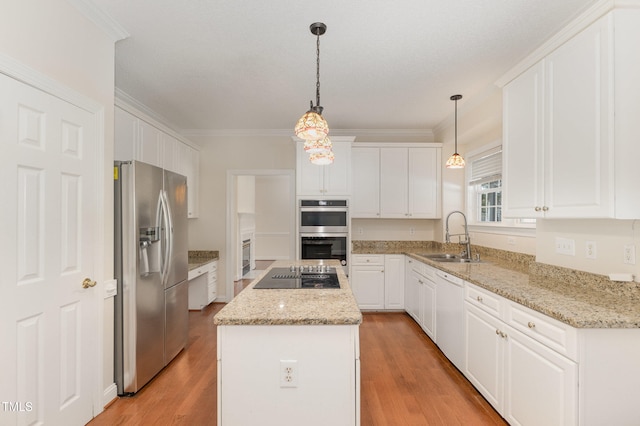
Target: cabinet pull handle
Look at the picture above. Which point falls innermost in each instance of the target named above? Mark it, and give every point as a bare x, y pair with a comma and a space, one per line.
479, 299
531, 324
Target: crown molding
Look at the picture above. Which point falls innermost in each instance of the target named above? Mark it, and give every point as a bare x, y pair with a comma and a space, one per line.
359, 133
102, 19
134, 107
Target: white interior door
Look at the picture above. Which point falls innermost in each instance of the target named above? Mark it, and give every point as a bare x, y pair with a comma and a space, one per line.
49, 330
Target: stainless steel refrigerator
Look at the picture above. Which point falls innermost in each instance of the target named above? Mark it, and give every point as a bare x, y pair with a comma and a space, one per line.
151, 266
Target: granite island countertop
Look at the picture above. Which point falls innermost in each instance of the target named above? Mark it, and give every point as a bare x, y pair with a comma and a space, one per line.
293, 306
565, 296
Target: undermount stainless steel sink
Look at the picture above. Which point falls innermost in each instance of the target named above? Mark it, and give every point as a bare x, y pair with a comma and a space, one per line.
448, 257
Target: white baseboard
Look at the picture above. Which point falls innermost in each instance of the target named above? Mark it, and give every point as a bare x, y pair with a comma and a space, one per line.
110, 393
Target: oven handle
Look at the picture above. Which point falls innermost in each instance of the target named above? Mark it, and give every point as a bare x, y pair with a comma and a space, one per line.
324, 234
324, 209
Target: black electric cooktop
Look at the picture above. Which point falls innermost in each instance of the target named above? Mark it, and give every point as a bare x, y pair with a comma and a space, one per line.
288, 278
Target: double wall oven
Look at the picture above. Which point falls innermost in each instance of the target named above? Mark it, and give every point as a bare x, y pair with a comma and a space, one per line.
324, 229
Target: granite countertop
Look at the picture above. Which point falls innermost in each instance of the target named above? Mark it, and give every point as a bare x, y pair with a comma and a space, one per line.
293, 306
566, 297
198, 258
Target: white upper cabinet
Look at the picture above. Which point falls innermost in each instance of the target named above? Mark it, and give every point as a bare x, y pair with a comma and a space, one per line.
192, 172
173, 154
424, 181
396, 181
394, 184
150, 147
569, 128
136, 139
522, 148
323, 181
365, 178
126, 136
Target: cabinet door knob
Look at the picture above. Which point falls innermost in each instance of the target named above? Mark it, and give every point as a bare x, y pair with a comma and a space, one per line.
531, 324
479, 299
537, 208
545, 208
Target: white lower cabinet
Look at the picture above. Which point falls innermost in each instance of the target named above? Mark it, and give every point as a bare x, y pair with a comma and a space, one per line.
411, 290
394, 281
367, 284
377, 281
525, 381
203, 285
420, 295
533, 369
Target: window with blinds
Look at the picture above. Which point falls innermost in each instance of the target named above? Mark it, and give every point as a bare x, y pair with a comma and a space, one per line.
485, 183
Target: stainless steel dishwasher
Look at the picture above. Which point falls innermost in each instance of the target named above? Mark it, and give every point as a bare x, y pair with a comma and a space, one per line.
450, 317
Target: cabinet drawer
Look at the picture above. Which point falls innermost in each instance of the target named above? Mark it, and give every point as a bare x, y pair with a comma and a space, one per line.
483, 299
203, 269
552, 333
367, 259
424, 270
200, 270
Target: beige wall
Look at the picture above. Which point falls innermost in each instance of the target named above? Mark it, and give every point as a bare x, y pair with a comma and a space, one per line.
218, 155
54, 39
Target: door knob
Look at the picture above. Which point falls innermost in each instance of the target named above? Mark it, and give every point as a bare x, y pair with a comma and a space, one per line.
88, 283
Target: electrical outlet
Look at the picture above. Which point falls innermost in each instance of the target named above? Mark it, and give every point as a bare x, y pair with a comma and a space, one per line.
288, 373
360, 231
630, 254
565, 246
511, 240
590, 250
412, 230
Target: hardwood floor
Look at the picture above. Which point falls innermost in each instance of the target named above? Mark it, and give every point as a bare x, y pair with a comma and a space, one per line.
405, 381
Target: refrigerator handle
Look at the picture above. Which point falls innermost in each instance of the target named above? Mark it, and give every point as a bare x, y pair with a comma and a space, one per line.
167, 236
164, 243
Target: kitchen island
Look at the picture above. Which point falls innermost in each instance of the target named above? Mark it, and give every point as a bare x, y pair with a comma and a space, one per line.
290, 356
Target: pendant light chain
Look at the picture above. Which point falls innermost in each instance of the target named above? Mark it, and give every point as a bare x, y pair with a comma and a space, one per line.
455, 150
312, 127
318, 68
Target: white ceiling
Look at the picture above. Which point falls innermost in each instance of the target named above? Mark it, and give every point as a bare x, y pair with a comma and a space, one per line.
212, 65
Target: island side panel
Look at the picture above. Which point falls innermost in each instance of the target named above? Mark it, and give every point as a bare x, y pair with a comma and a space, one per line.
250, 389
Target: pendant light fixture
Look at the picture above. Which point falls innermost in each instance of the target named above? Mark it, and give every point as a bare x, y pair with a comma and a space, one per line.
312, 127
455, 161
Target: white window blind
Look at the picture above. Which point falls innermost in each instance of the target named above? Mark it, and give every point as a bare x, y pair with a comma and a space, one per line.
487, 166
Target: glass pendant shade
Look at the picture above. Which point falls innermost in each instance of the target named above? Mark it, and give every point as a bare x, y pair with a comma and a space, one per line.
322, 145
311, 127
455, 162
322, 158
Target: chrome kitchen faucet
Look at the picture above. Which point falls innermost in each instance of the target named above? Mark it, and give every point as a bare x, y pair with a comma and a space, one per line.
466, 254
